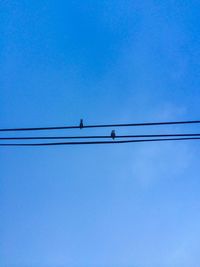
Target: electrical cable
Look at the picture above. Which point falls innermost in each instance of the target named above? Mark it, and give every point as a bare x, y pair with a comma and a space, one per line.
99, 126
101, 142
98, 136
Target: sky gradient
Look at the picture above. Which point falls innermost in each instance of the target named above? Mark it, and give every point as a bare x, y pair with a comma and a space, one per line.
133, 205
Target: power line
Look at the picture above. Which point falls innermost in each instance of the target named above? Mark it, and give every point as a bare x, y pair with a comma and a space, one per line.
99, 126
98, 136
102, 142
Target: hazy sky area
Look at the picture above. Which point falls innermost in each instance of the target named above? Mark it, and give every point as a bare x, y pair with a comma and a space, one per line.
114, 61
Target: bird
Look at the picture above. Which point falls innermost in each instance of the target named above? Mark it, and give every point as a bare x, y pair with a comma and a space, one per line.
81, 124
113, 134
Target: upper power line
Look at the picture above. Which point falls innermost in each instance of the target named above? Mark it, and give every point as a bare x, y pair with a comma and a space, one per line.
81, 126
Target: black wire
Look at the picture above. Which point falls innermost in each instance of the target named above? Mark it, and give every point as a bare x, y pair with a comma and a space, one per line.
99, 126
96, 136
103, 142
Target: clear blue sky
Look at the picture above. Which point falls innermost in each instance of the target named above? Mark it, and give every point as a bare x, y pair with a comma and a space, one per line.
107, 62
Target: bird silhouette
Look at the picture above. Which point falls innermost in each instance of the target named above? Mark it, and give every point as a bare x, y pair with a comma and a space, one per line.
81, 124
113, 134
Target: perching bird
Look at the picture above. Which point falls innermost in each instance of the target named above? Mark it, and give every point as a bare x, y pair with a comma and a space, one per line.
81, 124
113, 134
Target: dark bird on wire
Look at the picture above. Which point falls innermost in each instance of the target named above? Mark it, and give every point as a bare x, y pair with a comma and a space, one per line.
81, 124
113, 135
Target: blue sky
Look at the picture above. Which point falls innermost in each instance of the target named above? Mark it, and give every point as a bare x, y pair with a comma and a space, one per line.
105, 61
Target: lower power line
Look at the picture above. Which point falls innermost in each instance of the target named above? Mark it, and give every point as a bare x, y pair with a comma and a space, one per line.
97, 136
102, 142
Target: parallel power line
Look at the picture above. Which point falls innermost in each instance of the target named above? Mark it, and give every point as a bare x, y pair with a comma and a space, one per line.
99, 126
115, 138
101, 142
99, 136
